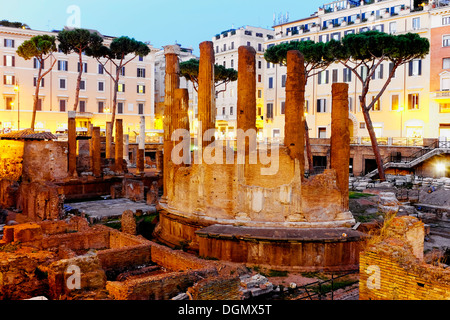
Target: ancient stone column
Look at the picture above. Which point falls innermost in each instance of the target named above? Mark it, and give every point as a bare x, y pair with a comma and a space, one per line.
171, 82
206, 93
108, 145
294, 127
140, 160
126, 147
340, 139
119, 146
96, 157
246, 96
72, 144
180, 118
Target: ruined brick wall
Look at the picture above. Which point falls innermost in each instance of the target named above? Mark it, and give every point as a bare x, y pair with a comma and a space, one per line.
216, 288
392, 268
45, 161
11, 159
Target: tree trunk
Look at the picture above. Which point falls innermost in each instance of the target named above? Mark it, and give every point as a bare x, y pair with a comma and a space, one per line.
114, 103
77, 90
308, 148
373, 140
36, 98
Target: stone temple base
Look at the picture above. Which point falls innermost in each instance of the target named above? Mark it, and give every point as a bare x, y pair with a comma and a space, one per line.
289, 249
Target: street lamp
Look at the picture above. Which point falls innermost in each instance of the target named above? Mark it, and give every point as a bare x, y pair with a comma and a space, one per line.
16, 89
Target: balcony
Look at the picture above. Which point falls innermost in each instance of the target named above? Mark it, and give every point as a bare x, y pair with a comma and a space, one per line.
442, 94
84, 115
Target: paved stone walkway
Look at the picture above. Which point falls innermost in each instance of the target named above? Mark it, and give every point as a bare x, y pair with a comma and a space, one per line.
110, 207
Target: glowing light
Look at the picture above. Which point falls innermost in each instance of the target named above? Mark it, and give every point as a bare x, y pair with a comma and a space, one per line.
440, 167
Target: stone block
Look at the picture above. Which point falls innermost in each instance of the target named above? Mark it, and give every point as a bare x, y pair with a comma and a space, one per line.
27, 232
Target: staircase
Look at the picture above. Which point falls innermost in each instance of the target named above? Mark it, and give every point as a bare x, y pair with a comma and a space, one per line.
437, 148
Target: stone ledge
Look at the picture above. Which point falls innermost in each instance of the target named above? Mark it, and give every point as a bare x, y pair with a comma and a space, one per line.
281, 234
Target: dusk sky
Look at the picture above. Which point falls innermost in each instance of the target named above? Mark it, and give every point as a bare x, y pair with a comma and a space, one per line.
160, 22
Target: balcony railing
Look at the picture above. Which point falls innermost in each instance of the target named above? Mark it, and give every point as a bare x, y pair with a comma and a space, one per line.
442, 94
391, 141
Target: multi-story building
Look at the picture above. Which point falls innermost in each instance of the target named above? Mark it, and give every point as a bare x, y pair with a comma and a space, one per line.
403, 111
440, 71
57, 92
226, 46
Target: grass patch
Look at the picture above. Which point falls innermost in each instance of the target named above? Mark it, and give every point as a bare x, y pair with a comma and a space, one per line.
325, 288
359, 195
317, 275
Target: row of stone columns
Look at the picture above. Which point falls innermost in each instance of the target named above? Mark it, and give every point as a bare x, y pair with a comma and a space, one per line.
94, 147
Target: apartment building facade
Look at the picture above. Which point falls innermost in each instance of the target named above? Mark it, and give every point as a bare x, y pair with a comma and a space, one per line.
135, 95
406, 108
226, 46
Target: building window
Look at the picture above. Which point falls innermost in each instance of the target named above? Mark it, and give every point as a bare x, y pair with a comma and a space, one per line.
249, 44
232, 63
223, 111
83, 85
283, 81
391, 66
306, 107
394, 102
323, 77
120, 107
259, 47
415, 67
62, 105
347, 75
101, 86
334, 77
232, 45
364, 72
140, 108
62, 83
321, 105
322, 133
101, 107
63, 65
9, 80
378, 74
141, 58
350, 104
259, 64
140, 88
446, 41
282, 110
39, 105
445, 21
393, 27
362, 125
444, 107
121, 87
122, 72
377, 105
231, 110
37, 64
84, 67
100, 68
269, 111
82, 106
413, 101
8, 43
259, 94
9, 61
141, 72
416, 23
446, 63
9, 103
35, 82
270, 82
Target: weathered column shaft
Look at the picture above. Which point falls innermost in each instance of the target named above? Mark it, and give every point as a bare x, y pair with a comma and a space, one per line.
140, 160
340, 139
246, 91
126, 147
96, 158
72, 144
206, 92
118, 148
180, 118
108, 145
171, 82
294, 127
